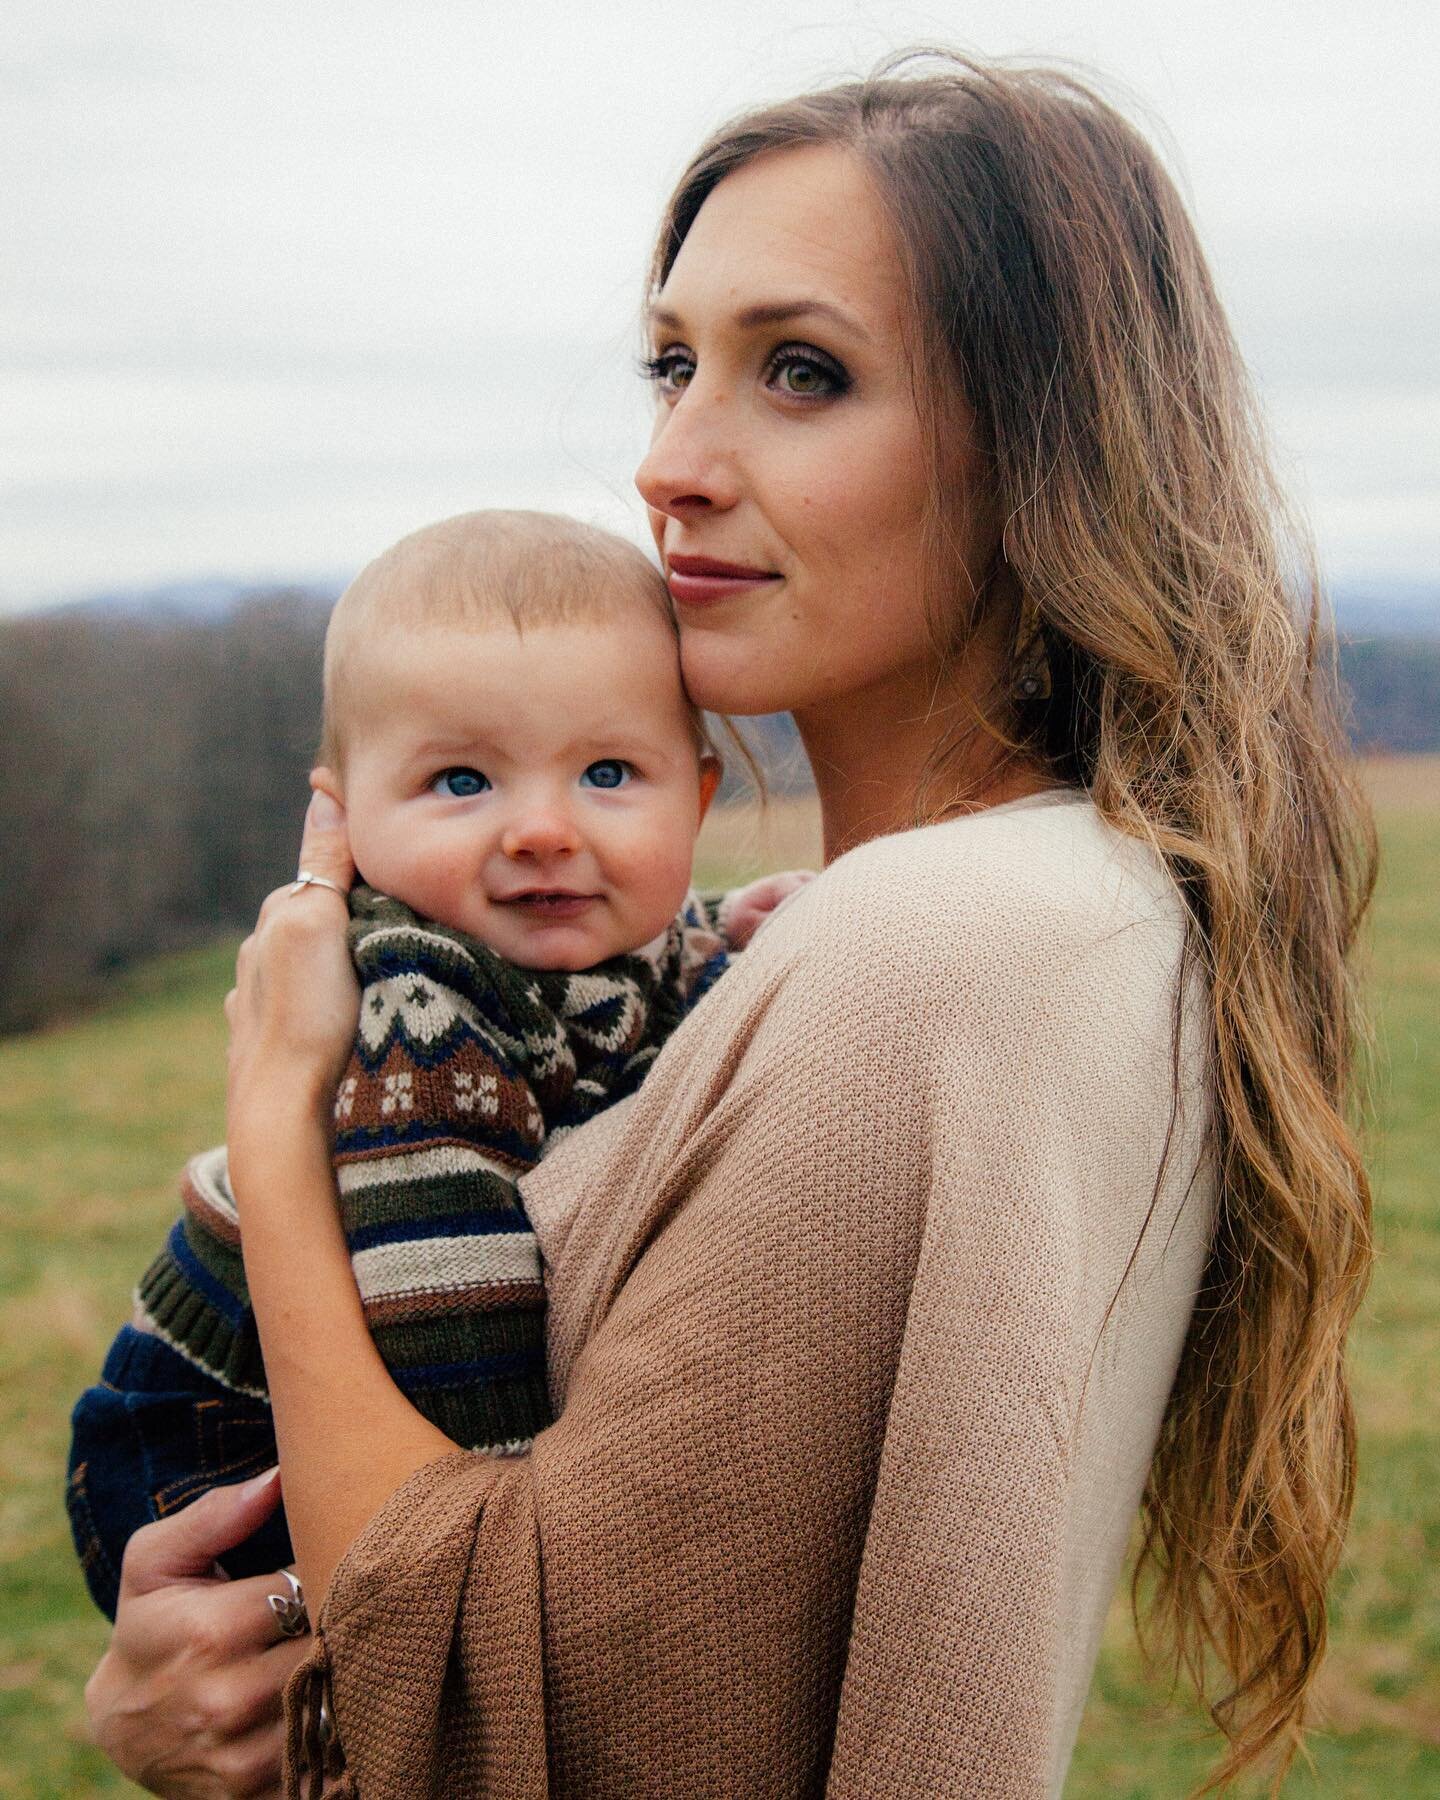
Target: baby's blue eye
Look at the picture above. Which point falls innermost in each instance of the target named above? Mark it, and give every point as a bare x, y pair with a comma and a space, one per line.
463, 784
611, 773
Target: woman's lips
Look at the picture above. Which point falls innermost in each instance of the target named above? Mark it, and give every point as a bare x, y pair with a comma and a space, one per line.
696, 580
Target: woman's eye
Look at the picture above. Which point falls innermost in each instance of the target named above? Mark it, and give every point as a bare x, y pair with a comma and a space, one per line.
462, 784
804, 373
609, 773
670, 370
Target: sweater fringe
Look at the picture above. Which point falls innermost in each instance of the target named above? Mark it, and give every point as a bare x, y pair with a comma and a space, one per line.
314, 1758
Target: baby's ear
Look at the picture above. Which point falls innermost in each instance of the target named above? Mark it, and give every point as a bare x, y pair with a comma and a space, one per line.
711, 769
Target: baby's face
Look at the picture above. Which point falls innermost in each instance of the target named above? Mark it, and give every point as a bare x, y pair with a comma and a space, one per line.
542, 792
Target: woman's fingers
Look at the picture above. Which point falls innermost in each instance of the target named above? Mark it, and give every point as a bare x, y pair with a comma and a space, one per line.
324, 854
292, 1013
245, 1703
250, 1619
252, 1691
196, 1733
249, 1766
325, 842
185, 1546
188, 1698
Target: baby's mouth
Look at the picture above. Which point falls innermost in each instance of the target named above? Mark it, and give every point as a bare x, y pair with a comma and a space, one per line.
551, 904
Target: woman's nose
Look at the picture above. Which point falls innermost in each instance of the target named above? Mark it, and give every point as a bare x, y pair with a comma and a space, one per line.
691, 464
539, 831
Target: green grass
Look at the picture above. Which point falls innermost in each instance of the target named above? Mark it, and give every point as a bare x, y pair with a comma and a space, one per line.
97, 1115
96, 1118
1380, 1694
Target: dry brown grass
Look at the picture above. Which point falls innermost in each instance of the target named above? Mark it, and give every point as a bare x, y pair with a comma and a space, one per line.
745, 840
1403, 783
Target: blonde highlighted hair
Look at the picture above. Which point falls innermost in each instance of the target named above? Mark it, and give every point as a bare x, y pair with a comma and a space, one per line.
1170, 655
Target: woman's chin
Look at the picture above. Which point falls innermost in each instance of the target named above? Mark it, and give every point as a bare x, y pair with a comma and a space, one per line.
733, 677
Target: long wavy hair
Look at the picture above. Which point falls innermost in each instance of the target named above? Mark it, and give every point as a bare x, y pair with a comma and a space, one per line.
1171, 654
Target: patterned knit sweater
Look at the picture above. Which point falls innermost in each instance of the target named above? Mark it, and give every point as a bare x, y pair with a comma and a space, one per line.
465, 1070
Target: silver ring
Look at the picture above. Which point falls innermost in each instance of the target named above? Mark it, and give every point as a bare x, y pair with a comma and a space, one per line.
304, 879
289, 1609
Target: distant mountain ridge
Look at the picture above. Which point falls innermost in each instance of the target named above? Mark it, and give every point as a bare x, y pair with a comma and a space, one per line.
206, 597
1387, 609
1389, 653
1378, 608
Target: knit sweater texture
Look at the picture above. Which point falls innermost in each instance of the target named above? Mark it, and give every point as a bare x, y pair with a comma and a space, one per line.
863, 1316
465, 1069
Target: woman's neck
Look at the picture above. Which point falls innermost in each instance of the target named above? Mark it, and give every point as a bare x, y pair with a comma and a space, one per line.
871, 754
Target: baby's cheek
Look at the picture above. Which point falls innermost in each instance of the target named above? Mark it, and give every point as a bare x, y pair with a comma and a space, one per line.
413, 869
659, 877
372, 863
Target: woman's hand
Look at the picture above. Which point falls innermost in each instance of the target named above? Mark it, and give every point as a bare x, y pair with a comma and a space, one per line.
347, 1436
293, 1008
186, 1700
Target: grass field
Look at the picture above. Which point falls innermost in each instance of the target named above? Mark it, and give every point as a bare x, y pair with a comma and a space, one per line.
97, 1115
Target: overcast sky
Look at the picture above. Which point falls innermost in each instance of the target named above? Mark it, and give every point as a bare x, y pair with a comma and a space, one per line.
280, 281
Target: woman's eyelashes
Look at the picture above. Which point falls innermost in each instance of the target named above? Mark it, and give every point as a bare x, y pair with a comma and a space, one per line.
460, 783
670, 370
796, 371
802, 372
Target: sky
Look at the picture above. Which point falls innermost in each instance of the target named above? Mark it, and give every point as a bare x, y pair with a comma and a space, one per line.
281, 281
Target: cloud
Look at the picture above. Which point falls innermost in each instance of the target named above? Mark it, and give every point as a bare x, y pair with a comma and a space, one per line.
283, 279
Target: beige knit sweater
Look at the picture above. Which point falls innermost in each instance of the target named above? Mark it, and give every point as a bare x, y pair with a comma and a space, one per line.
858, 1367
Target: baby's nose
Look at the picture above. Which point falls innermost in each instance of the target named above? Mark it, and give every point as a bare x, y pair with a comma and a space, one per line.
540, 831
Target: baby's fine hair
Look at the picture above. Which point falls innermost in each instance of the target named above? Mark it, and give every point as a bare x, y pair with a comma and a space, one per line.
481, 569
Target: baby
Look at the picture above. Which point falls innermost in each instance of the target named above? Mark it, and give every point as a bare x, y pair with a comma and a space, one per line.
523, 778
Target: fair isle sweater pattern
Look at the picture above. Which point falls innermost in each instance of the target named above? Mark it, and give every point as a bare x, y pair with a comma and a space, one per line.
465, 1069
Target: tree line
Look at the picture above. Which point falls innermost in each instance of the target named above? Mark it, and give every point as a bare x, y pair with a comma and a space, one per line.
153, 783
1394, 691
152, 775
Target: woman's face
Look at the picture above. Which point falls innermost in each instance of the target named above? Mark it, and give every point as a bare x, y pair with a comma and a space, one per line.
788, 473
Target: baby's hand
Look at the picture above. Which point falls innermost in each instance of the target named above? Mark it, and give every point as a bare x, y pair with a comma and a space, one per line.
744, 910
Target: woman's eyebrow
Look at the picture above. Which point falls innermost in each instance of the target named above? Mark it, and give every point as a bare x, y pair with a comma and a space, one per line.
774, 312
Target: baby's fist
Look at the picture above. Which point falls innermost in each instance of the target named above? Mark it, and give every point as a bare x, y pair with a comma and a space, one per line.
744, 910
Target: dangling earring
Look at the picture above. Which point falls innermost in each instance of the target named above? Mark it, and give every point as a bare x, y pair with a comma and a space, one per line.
1031, 665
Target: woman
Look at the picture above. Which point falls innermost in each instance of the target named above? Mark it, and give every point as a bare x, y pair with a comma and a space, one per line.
874, 1315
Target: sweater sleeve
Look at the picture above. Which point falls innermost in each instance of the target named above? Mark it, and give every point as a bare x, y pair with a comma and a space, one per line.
829, 1302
